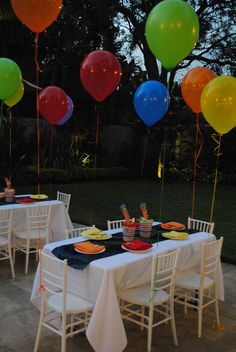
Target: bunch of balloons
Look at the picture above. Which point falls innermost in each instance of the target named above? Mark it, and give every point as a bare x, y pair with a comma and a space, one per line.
37, 16
214, 96
172, 30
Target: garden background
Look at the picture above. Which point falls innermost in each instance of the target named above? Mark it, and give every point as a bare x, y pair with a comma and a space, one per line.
128, 152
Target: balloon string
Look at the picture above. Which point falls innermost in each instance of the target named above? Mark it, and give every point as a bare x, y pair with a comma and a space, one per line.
161, 165
39, 69
51, 141
195, 165
10, 142
31, 84
163, 172
144, 152
37, 111
217, 139
95, 163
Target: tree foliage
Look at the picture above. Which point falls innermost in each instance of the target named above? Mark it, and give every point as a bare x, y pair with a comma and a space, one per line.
117, 26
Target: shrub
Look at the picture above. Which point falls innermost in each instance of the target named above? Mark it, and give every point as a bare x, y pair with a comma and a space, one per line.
29, 174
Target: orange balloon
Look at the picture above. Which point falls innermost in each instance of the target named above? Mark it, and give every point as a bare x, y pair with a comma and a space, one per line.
192, 86
37, 15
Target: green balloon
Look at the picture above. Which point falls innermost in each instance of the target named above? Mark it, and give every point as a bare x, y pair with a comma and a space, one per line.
10, 78
14, 99
172, 30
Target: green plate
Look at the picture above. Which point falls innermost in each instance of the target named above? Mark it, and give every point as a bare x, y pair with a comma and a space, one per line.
39, 196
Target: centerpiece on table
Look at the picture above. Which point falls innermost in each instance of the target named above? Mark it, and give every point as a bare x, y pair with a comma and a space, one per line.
129, 226
145, 223
9, 192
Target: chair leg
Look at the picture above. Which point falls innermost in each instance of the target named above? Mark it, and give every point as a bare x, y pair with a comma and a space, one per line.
150, 322
14, 255
42, 315
186, 302
217, 306
27, 257
167, 312
72, 322
11, 262
142, 318
173, 327
63, 336
200, 314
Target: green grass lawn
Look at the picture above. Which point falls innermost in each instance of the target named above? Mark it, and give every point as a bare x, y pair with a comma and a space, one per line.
95, 204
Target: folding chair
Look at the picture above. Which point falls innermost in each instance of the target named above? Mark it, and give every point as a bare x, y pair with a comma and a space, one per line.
36, 233
64, 198
77, 231
73, 311
203, 282
200, 225
139, 304
5, 237
116, 224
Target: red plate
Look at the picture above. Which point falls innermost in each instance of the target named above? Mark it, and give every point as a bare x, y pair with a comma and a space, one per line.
25, 201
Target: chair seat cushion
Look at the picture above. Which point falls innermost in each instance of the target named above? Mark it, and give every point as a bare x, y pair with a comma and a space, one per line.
74, 304
191, 280
33, 234
143, 295
3, 241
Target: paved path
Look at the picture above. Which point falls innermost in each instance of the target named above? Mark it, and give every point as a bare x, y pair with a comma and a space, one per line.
19, 321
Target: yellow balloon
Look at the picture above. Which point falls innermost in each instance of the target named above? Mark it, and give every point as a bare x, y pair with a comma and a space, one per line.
14, 99
218, 103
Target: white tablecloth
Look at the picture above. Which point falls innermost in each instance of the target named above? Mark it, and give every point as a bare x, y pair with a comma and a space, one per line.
60, 219
100, 281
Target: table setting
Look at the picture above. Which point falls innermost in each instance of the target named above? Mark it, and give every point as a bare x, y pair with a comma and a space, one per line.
103, 262
60, 220
101, 277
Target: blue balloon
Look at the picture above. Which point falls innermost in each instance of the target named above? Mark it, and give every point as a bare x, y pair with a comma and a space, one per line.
151, 101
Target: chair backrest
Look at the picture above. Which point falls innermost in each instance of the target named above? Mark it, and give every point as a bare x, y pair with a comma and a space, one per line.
163, 272
200, 225
53, 276
38, 217
210, 259
76, 231
65, 198
6, 223
116, 224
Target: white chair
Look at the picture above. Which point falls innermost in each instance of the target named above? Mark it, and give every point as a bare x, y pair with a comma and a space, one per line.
203, 282
139, 304
36, 233
73, 312
76, 231
64, 198
200, 225
5, 237
116, 224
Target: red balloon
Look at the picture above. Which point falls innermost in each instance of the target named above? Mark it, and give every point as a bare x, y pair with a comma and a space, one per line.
53, 104
100, 73
37, 15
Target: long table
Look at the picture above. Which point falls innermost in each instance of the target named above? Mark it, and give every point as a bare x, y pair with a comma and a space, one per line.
100, 281
60, 220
